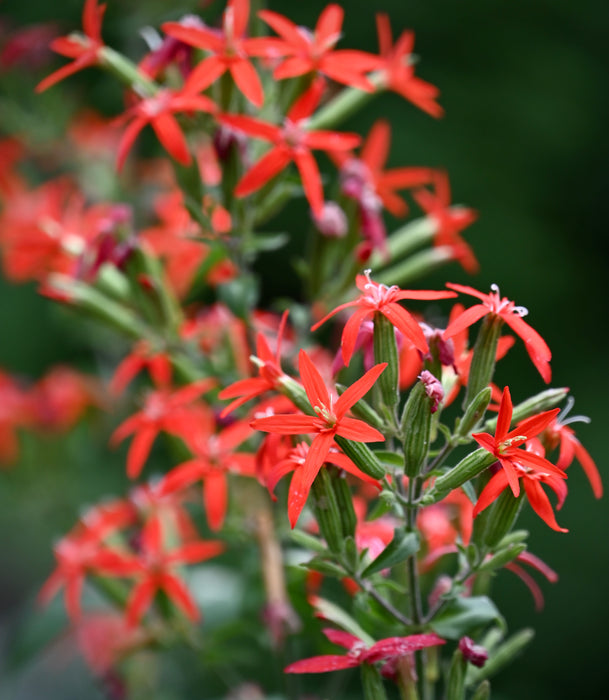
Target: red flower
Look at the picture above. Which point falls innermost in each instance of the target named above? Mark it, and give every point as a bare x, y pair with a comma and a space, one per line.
158, 111
364, 176
83, 49
380, 298
314, 51
532, 477
173, 412
142, 356
214, 457
269, 369
558, 434
154, 568
331, 420
291, 142
450, 221
494, 304
505, 446
397, 69
539, 565
359, 653
229, 51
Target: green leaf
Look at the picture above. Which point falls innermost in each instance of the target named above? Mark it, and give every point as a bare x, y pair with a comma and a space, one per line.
331, 612
265, 242
462, 615
403, 545
328, 568
390, 459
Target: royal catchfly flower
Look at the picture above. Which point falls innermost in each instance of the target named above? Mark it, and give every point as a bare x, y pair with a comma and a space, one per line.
83, 49
291, 141
505, 309
379, 298
331, 420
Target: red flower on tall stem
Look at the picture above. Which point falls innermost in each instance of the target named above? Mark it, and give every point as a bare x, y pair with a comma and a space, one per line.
154, 567
229, 51
292, 142
313, 52
377, 297
397, 69
506, 444
449, 220
214, 457
493, 303
331, 420
269, 372
360, 653
164, 410
83, 49
533, 476
159, 111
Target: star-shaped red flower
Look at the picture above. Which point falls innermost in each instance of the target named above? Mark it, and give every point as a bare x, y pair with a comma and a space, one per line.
331, 420
380, 298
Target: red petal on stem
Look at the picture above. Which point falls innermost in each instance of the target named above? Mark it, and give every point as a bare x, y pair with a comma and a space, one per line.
247, 80
491, 492
73, 595
332, 141
357, 430
404, 322
399, 646
504, 419
171, 137
200, 37
346, 305
293, 67
358, 389
215, 498
139, 450
321, 664
194, 552
179, 594
50, 587
534, 425
466, 319
128, 139
124, 373
589, 467
139, 601
511, 475
343, 639
287, 424
465, 289
486, 441
311, 180
541, 504
539, 565
307, 103
252, 126
285, 28
312, 381
262, 171
424, 294
241, 10
206, 73
350, 331
328, 27
376, 147
536, 346
128, 426
66, 71
297, 495
183, 475
529, 582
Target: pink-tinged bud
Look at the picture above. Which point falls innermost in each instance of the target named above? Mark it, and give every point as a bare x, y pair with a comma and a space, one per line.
226, 139
363, 252
281, 620
442, 585
373, 228
354, 179
332, 221
474, 653
443, 350
433, 388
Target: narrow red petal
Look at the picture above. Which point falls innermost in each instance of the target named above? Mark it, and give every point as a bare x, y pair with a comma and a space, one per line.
358, 389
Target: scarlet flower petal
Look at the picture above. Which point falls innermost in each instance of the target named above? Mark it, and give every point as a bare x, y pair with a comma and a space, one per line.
215, 498
139, 601
204, 74
541, 504
466, 319
312, 381
311, 179
247, 80
358, 390
179, 594
194, 552
535, 345
354, 429
284, 27
184, 475
491, 491
405, 323
589, 467
350, 331
286, 424
139, 450
171, 137
262, 171
321, 664
394, 647
127, 141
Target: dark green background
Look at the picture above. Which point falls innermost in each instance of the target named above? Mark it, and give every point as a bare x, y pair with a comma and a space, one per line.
525, 142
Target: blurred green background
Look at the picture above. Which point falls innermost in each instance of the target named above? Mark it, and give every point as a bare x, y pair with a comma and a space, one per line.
525, 142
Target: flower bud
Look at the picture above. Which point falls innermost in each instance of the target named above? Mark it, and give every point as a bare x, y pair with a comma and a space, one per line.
501, 518
344, 500
386, 350
484, 357
483, 691
473, 653
455, 689
372, 683
327, 512
504, 654
468, 468
332, 221
474, 412
363, 457
416, 421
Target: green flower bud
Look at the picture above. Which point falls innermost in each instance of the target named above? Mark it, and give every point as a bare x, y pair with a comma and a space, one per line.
344, 499
455, 687
372, 683
484, 357
386, 350
483, 691
502, 517
363, 457
416, 421
327, 511
468, 468
474, 413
